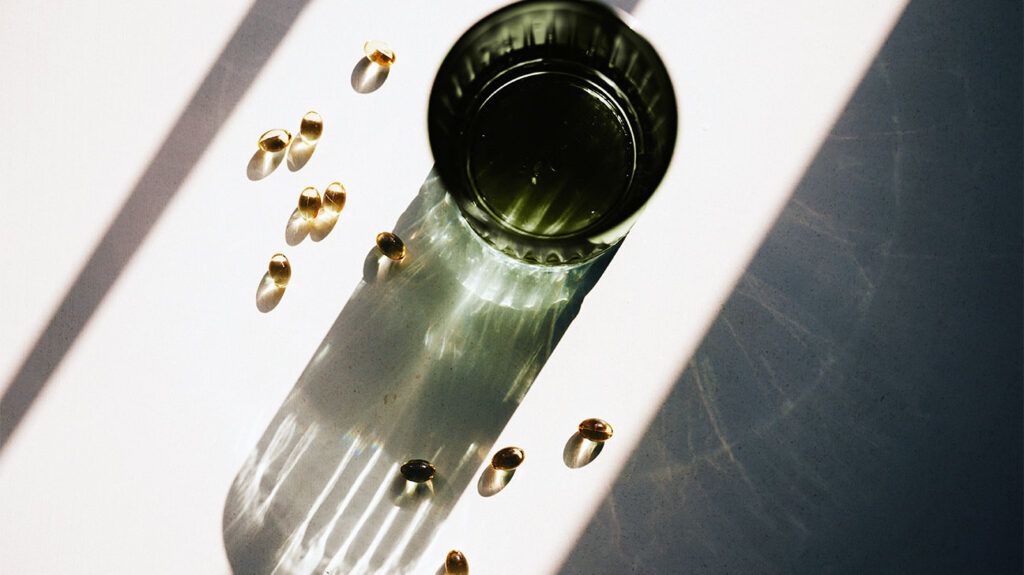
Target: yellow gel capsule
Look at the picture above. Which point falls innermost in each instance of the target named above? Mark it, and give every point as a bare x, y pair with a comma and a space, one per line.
508, 458
280, 270
455, 563
595, 429
311, 126
275, 140
309, 203
334, 197
417, 470
391, 245
379, 53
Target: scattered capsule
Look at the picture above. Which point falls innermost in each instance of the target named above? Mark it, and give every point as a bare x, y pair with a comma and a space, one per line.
391, 245
280, 270
418, 470
311, 126
595, 429
275, 140
334, 197
309, 203
379, 53
455, 563
508, 458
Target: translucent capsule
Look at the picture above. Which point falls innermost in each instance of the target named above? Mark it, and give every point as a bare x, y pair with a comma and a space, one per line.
334, 197
311, 126
280, 270
275, 140
508, 458
391, 245
379, 53
455, 563
418, 470
595, 429
309, 203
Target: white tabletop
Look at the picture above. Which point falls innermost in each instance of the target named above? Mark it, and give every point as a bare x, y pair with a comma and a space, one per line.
125, 460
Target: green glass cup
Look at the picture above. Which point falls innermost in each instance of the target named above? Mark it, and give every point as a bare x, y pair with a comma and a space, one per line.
552, 123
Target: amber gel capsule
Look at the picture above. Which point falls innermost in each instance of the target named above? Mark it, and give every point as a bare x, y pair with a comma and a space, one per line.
275, 140
280, 270
508, 458
455, 563
391, 245
418, 470
309, 203
334, 197
596, 429
379, 53
311, 127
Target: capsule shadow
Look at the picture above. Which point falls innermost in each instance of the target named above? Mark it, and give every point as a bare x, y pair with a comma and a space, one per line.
299, 152
405, 493
322, 225
492, 481
262, 164
368, 77
580, 451
297, 228
268, 294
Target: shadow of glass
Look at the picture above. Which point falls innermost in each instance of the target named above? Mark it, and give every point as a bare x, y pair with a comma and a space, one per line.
579, 451
262, 164
268, 294
428, 359
299, 152
368, 77
492, 481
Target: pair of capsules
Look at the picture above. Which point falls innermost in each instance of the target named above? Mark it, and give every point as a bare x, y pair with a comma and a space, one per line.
310, 202
311, 127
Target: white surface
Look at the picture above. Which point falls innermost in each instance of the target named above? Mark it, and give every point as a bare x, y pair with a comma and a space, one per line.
123, 463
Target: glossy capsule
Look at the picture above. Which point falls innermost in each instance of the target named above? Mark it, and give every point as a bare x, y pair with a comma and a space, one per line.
280, 270
309, 203
417, 470
311, 126
379, 53
275, 140
595, 429
455, 563
508, 458
334, 197
391, 245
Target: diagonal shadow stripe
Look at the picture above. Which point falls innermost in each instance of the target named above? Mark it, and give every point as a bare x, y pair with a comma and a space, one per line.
250, 47
855, 407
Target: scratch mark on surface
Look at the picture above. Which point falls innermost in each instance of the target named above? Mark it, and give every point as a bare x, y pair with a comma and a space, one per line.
708, 404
